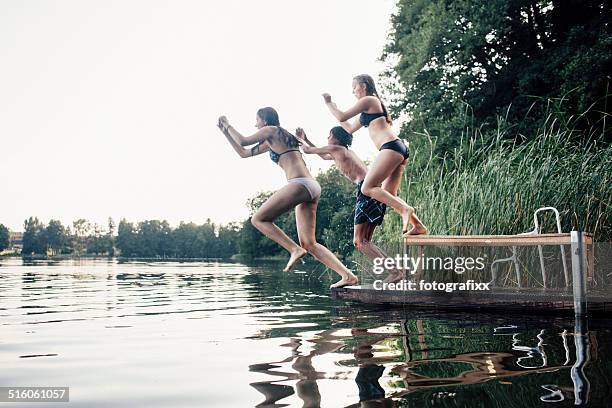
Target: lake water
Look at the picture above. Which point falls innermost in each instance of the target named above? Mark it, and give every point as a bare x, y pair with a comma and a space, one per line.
232, 335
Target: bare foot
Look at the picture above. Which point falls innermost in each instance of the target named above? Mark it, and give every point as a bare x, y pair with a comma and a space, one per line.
417, 230
394, 277
406, 216
296, 255
347, 281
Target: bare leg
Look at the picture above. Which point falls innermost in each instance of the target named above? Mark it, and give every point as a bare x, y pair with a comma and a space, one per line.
391, 184
363, 242
370, 233
383, 167
279, 203
305, 218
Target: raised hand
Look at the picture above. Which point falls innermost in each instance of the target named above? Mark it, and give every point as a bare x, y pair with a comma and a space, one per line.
327, 97
300, 134
223, 123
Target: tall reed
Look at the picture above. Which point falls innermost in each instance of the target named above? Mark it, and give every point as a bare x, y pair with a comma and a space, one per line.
492, 184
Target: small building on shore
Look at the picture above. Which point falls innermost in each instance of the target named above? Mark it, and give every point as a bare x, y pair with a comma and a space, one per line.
15, 240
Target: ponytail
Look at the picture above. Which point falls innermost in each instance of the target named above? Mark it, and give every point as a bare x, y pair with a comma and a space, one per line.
287, 138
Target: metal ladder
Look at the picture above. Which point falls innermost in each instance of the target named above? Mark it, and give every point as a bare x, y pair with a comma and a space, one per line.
537, 230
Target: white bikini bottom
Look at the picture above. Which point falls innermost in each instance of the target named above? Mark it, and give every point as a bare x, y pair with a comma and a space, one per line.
311, 185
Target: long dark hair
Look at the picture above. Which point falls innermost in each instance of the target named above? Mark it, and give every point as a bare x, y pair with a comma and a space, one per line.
371, 90
270, 118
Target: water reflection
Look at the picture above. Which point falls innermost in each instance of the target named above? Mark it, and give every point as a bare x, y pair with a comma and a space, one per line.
236, 335
415, 356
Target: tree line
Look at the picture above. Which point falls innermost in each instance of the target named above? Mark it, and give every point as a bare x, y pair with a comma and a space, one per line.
145, 239
157, 239
57, 239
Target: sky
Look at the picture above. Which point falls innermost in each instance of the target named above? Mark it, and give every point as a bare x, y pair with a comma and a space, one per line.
109, 108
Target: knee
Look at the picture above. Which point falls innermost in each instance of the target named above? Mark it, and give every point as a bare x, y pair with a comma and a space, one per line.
367, 190
256, 220
308, 244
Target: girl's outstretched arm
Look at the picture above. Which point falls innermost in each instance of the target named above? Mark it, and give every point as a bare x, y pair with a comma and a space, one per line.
362, 105
258, 137
343, 117
351, 127
259, 148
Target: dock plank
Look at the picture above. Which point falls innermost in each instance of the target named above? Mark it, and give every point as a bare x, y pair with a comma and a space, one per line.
494, 240
540, 300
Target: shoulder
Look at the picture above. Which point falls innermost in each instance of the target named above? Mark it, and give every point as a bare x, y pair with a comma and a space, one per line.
368, 103
335, 149
269, 131
339, 152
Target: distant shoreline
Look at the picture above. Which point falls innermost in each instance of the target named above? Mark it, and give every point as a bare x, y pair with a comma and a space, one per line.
120, 259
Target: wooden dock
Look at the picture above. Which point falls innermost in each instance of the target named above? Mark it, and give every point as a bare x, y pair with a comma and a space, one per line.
571, 299
498, 299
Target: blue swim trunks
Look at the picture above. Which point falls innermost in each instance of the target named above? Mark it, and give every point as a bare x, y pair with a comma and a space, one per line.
368, 209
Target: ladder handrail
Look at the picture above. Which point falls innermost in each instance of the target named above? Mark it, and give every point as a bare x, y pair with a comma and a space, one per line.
537, 229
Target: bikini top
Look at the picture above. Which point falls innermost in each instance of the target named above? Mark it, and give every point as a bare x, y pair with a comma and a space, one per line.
366, 118
275, 157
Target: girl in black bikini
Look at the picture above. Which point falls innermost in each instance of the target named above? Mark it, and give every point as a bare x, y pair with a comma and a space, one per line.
302, 191
383, 179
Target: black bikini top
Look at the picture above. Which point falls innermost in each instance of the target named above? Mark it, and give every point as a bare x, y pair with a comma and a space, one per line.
366, 118
275, 157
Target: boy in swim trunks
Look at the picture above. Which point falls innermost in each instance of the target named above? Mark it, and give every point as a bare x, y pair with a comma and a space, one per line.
369, 213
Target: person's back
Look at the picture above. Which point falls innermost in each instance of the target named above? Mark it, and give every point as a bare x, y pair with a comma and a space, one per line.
349, 164
284, 152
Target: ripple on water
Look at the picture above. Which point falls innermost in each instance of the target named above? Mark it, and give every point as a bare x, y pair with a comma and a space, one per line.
215, 334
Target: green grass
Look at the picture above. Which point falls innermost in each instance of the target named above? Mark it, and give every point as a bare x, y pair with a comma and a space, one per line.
491, 184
